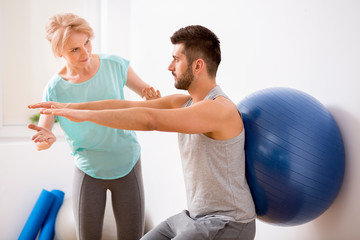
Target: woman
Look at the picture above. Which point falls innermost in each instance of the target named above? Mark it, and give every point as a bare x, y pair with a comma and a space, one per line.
105, 158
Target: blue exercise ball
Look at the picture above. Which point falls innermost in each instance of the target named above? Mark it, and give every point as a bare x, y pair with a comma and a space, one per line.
295, 157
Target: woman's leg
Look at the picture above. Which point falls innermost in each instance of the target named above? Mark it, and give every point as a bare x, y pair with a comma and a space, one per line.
89, 199
128, 204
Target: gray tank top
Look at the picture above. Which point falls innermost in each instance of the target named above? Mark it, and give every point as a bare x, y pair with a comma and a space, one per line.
214, 174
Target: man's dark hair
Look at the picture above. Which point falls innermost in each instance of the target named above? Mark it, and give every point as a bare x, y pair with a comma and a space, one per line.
199, 42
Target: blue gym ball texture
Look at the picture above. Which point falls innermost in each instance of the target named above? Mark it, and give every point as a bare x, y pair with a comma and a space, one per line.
295, 157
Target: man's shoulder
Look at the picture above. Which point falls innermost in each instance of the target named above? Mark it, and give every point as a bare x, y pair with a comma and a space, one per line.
224, 102
177, 100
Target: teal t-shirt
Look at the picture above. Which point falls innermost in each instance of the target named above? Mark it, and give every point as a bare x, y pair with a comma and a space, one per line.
101, 152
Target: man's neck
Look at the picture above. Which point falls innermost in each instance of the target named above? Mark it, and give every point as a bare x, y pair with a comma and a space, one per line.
199, 91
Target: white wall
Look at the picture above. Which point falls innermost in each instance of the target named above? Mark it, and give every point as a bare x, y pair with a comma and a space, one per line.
308, 45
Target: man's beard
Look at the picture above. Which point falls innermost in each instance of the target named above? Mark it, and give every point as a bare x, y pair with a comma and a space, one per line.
183, 82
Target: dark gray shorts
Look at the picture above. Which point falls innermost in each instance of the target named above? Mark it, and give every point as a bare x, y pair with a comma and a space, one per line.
183, 227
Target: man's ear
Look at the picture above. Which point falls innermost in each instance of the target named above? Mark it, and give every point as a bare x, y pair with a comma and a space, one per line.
199, 65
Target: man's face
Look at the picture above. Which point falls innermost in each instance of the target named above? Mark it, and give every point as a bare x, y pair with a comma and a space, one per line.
180, 69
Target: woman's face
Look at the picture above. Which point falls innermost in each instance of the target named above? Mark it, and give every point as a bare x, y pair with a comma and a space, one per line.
77, 50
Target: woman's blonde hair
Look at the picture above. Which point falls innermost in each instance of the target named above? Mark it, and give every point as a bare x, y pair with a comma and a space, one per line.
59, 28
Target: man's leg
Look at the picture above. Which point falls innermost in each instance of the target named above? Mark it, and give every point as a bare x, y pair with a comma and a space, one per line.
160, 232
235, 230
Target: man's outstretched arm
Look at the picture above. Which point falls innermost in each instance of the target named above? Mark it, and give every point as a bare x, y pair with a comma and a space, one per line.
171, 101
209, 116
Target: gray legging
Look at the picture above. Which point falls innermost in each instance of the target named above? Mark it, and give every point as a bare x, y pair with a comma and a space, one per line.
89, 200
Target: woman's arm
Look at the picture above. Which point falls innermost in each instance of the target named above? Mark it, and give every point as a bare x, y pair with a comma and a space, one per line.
43, 138
141, 88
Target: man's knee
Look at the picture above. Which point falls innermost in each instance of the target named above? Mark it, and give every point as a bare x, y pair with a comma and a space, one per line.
160, 232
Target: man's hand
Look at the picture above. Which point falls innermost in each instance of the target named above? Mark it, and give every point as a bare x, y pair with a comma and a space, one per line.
48, 105
71, 114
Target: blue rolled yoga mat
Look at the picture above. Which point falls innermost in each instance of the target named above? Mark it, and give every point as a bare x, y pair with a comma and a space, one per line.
43, 216
37, 216
48, 228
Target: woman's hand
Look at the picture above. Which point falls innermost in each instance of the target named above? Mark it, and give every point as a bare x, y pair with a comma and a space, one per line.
43, 138
149, 93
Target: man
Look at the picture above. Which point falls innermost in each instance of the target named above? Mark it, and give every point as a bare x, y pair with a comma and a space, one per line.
211, 140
